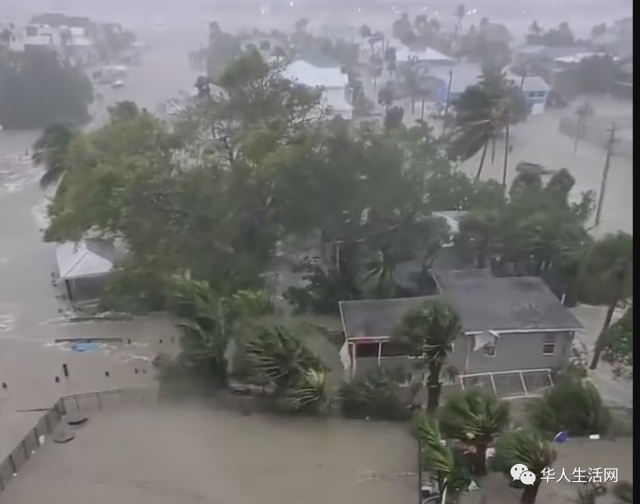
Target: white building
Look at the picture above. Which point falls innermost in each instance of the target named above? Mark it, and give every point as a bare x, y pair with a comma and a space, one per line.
333, 83
406, 55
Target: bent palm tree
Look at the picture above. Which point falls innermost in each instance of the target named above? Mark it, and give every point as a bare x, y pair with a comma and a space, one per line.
435, 456
429, 331
50, 152
476, 418
278, 360
524, 447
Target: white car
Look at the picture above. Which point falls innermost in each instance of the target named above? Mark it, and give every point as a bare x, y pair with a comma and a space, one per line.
117, 84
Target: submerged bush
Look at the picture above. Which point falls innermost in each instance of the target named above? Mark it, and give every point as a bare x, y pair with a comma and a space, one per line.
572, 405
377, 396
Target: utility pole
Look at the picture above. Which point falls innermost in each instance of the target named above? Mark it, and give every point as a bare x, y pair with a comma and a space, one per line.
605, 172
446, 106
583, 111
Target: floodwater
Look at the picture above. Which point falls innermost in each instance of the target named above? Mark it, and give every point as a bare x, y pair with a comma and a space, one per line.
30, 317
165, 455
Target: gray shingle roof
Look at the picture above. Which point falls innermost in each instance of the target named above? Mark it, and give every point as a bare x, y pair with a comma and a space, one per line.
503, 304
483, 302
376, 317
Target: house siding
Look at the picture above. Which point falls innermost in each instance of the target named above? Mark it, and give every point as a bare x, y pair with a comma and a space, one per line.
515, 351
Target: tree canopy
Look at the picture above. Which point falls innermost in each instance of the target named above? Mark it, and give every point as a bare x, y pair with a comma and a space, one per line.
38, 89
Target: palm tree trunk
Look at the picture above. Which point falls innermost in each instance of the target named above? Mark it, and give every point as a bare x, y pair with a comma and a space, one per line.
484, 155
434, 388
602, 337
481, 459
530, 492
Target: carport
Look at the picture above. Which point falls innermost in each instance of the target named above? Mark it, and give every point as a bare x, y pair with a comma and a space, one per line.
85, 266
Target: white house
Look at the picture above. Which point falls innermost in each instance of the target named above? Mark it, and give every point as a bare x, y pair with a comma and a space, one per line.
406, 55
334, 85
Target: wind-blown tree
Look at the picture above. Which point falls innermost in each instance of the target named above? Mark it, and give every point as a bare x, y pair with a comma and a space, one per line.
537, 231
210, 322
429, 332
50, 151
482, 111
619, 349
365, 32
609, 264
572, 405
526, 447
38, 89
437, 458
293, 375
476, 418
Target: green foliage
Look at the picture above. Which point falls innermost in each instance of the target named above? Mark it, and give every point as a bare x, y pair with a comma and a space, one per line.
39, 89
572, 405
526, 447
429, 331
476, 418
537, 231
291, 373
483, 111
376, 396
447, 466
50, 151
619, 346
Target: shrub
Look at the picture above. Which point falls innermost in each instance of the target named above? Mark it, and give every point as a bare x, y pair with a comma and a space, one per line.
573, 405
377, 396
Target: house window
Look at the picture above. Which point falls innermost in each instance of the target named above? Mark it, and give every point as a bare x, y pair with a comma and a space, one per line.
549, 346
391, 349
490, 349
367, 350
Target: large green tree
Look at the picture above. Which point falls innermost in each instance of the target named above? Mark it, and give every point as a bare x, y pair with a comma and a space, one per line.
38, 89
50, 151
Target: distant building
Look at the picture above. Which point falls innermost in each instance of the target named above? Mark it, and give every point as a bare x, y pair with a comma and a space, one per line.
427, 55
463, 76
333, 83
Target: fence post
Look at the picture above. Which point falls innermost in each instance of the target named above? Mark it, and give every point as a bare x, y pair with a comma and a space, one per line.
24, 449
48, 422
75, 398
99, 401
13, 464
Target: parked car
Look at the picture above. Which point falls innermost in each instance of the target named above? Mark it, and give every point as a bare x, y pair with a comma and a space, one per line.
117, 84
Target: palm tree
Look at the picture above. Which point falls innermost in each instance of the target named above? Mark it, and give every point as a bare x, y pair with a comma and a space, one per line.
435, 456
482, 111
460, 13
476, 418
293, 375
50, 151
429, 331
524, 447
609, 264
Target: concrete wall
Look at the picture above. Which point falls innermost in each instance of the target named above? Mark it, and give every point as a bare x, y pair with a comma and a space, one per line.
513, 352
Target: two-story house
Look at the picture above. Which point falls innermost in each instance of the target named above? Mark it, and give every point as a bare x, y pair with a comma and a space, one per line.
515, 332
333, 83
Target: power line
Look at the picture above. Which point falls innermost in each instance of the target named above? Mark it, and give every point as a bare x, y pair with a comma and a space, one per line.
611, 141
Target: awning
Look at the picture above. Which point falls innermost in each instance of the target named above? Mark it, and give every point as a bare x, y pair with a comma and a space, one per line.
77, 260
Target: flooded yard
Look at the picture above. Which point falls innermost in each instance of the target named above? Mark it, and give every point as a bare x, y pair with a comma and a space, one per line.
166, 455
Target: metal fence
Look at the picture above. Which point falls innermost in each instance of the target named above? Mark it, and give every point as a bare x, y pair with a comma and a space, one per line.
85, 403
